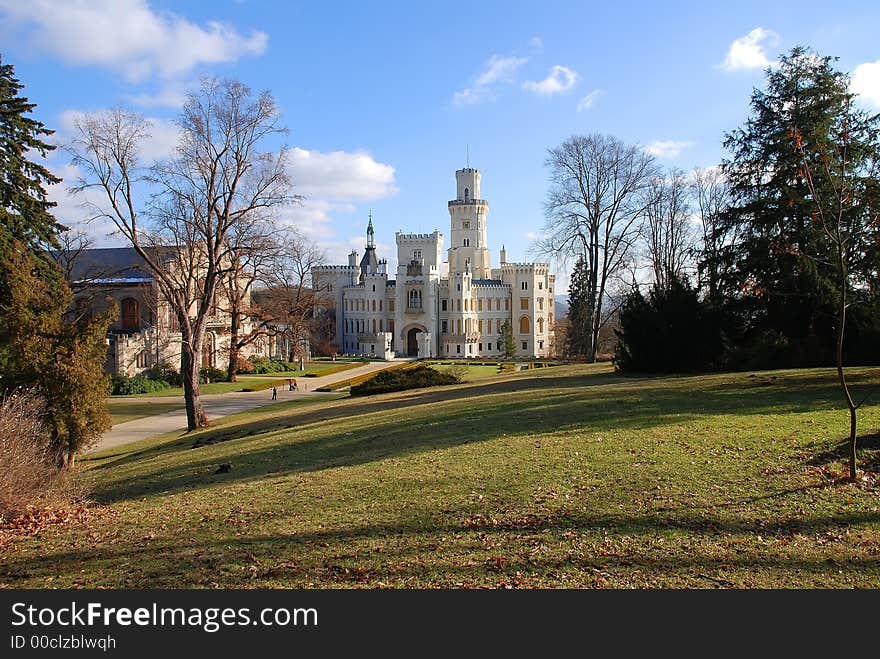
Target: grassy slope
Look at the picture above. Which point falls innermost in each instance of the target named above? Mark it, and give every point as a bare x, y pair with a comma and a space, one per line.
129, 408
569, 476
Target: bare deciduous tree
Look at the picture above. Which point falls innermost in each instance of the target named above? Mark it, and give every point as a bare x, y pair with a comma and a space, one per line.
843, 178
179, 215
710, 191
290, 299
667, 231
594, 207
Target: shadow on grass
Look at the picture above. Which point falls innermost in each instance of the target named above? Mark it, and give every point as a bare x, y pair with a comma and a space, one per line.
185, 562
868, 447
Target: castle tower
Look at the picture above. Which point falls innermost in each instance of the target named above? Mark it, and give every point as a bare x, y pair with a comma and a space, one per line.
468, 214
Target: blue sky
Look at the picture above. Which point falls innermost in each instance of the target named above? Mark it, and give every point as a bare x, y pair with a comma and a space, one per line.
381, 99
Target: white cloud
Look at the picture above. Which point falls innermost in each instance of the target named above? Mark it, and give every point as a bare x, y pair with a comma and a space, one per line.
537, 43
560, 80
171, 95
748, 52
340, 175
587, 101
866, 82
127, 36
667, 148
498, 69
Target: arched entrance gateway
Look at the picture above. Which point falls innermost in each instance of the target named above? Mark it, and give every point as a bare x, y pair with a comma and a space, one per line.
412, 342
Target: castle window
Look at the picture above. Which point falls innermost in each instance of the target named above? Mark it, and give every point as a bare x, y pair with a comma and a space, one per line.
525, 345
390, 305
458, 305
374, 302
525, 285
143, 359
524, 325
480, 347
466, 225
540, 325
374, 288
130, 314
524, 303
490, 347
507, 304
458, 349
497, 304
442, 305
466, 242
380, 305
480, 304
444, 327
540, 286
467, 194
541, 303
417, 254
540, 345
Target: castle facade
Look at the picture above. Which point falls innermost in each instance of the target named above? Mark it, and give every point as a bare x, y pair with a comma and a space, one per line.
457, 308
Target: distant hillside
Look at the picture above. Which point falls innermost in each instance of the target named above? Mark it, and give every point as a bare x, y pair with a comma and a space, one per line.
560, 307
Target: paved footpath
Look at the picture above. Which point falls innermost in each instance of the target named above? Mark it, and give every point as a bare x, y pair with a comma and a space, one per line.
219, 405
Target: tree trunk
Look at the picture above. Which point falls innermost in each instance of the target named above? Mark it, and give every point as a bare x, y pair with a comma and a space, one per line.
189, 375
232, 368
851, 406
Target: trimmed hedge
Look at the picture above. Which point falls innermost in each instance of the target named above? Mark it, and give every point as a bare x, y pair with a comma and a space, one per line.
122, 385
263, 365
418, 377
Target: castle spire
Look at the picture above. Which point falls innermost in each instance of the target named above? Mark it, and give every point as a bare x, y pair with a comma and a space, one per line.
371, 242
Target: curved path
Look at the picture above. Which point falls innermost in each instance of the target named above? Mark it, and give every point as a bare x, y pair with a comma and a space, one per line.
219, 405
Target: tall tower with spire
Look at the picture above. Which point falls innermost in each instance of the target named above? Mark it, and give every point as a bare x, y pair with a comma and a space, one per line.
468, 214
369, 262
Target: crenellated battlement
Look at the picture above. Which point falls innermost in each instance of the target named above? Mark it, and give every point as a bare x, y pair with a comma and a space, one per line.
336, 268
525, 266
411, 237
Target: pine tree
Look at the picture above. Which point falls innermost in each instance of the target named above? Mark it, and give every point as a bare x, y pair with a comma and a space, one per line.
784, 285
25, 211
506, 341
580, 311
39, 349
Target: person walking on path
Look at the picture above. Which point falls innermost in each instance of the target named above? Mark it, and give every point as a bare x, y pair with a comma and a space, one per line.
274, 393
293, 386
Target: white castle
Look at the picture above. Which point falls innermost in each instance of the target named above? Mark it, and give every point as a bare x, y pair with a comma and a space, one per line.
451, 309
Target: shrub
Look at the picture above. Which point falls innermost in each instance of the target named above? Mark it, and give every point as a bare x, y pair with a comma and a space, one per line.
263, 365
418, 377
211, 374
122, 385
29, 468
164, 372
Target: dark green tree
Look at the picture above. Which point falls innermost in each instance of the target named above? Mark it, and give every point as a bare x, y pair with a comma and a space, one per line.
784, 286
40, 348
506, 341
25, 211
580, 311
669, 331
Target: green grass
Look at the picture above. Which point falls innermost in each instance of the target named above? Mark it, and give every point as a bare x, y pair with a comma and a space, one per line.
129, 408
564, 477
312, 369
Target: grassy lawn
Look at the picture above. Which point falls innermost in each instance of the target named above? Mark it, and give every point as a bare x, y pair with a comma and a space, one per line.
562, 477
315, 369
129, 408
